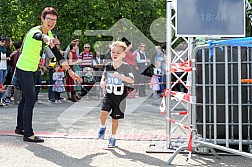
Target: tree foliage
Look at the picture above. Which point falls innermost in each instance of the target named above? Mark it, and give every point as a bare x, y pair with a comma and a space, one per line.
18, 16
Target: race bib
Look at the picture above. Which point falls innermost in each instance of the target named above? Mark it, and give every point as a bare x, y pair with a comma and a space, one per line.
113, 80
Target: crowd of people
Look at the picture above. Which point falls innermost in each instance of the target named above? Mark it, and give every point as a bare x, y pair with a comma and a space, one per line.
80, 61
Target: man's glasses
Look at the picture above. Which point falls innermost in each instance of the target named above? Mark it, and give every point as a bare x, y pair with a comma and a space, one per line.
87, 47
50, 19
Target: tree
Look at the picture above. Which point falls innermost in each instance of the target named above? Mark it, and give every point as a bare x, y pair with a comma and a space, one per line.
18, 16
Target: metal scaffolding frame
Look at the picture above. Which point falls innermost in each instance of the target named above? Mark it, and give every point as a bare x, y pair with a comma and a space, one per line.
171, 110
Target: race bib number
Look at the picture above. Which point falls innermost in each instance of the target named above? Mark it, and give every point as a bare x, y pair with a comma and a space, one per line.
113, 80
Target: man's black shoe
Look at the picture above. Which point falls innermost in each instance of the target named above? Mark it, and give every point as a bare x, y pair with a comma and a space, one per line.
36, 139
19, 132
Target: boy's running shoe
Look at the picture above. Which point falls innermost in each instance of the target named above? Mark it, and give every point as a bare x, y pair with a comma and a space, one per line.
101, 133
112, 142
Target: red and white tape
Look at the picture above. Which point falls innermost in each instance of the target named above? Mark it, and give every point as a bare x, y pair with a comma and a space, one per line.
190, 144
178, 123
182, 96
186, 66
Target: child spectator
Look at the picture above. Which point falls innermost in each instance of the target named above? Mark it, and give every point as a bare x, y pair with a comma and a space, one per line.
116, 78
155, 79
58, 87
89, 76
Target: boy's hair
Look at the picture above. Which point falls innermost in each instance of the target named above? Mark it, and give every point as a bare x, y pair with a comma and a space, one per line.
49, 10
118, 43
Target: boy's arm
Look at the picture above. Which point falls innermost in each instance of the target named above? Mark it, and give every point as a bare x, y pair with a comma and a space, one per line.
103, 81
129, 78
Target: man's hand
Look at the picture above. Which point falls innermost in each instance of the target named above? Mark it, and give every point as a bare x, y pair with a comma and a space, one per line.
50, 41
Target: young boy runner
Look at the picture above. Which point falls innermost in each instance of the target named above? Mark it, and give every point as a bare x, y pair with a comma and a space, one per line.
116, 79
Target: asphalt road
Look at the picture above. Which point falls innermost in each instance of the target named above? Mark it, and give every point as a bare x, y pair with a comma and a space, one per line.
70, 131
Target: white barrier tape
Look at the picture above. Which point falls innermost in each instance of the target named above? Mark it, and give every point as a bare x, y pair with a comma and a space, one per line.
160, 83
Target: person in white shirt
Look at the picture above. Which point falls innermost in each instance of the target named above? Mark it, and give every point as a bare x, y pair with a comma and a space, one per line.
142, 64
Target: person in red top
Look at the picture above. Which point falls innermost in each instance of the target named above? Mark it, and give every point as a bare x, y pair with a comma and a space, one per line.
73, 60
130, 58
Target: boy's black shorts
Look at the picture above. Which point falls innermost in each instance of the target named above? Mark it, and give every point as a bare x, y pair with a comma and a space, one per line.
118, 107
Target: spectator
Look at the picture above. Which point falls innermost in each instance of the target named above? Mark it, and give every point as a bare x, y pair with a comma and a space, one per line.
130, 58
161, 57
14, 56
3, 67
77, 41
9, 74
142, 64
86, 56
73, 60
58, 87
163, 68
50, 62
87, 61
155, 85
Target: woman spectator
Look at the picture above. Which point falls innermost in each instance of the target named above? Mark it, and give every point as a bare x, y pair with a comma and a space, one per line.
73, 60
9, 74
